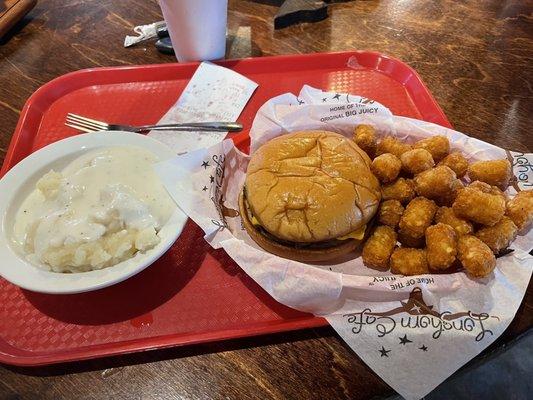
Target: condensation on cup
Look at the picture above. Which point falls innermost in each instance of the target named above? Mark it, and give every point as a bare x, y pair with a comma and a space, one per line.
197, 28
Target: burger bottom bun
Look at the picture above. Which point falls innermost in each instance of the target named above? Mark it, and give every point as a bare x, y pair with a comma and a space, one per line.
293, 253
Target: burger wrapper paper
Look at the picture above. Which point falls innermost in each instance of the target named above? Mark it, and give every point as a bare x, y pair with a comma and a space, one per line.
413, 331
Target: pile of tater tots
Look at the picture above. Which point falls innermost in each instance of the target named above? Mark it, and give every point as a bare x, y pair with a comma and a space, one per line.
442, 223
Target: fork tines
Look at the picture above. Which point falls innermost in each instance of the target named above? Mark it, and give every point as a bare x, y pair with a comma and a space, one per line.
85, 124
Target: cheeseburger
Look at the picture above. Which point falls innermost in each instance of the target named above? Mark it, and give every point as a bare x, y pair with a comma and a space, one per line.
309, 195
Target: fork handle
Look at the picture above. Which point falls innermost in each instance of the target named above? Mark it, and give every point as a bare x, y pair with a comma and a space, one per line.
194, 126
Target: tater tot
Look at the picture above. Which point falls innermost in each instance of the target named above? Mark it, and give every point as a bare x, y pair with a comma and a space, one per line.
486, 188
407, 261
475, 256
402, 190
386, 167
365, 137
435, 183
438, 146
410, 241
499, 236
417, 216
416, 160
390, 212
478, 206
392, 145
520, 210
445, 215
495, 172
378, 248
449, 198
441, 246
457, 162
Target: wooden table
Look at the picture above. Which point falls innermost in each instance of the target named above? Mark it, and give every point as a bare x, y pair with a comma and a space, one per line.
473, 55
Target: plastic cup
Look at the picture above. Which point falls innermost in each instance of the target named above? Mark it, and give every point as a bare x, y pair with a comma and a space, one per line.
197, 28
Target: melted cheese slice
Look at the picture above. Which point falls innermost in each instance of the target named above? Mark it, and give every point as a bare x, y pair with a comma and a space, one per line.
358, 234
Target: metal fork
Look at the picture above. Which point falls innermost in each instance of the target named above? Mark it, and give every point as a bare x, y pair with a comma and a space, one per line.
91, 125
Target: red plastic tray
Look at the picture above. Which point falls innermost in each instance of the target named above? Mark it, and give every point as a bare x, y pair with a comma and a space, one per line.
193, 293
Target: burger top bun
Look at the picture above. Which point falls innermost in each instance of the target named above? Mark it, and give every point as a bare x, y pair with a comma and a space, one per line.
311, 186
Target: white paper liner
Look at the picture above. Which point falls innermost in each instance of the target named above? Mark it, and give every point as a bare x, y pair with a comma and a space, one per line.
412, 331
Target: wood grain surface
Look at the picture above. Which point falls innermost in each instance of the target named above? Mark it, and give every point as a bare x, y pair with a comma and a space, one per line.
475, 57
12, 11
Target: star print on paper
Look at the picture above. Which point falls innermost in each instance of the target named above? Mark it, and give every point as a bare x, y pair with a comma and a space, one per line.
404, 340
204, 188
300, 101
423, 348
205, 164
324, 99
416, 308
384, 353
337, 96
211, 178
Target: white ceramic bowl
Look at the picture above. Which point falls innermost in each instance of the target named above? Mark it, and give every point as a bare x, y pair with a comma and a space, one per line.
21, 180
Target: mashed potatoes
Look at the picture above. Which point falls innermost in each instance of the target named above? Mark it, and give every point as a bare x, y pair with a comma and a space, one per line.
100, 210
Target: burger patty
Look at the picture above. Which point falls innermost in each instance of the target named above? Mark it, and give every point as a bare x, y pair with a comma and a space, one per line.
298, 245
